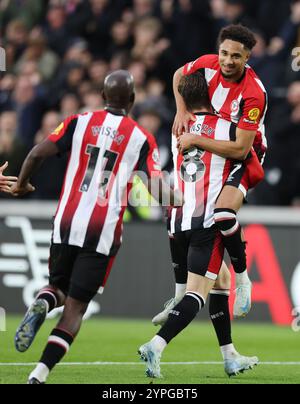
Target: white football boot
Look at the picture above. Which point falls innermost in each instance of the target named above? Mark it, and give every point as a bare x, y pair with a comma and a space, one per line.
239, 364
149, 354
162, 317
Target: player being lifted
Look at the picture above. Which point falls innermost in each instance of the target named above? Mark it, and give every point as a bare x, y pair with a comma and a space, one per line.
106, 148
196, 242
237, 95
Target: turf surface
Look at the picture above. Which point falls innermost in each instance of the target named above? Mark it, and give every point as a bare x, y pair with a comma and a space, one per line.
103, 340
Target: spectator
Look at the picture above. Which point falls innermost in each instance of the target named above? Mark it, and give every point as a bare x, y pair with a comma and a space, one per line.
53, 167
11, 148
69, 105
29, 109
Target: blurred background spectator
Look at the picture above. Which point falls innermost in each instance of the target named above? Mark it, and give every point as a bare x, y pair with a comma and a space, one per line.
59, 51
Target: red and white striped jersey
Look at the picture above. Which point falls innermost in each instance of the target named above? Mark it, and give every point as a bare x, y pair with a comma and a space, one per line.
200, 175
105, 149
243, 102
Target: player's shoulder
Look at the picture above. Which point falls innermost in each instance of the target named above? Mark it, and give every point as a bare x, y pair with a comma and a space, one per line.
203, 62
254, 87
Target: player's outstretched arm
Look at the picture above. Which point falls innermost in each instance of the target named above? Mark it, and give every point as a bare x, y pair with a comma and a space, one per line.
183, 116
163, 193
235, 150
31, 164
6, 182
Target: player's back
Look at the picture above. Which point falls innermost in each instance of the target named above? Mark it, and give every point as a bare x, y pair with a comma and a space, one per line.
200, 175
105, 149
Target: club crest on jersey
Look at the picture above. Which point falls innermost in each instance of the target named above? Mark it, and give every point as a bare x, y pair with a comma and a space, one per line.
235, 106
155, 156
192, 168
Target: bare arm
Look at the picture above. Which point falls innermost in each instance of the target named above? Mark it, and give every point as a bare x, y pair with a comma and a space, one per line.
31, 164
183, 116
163, 193
235, 150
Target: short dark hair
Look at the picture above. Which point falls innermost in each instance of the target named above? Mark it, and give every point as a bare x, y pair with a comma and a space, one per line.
194, 91
238, 33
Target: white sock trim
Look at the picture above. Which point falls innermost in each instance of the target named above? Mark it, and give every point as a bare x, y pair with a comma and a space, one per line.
220, 216
231, 231
40, 373
48, 292
200, 299
59, 341
222, 292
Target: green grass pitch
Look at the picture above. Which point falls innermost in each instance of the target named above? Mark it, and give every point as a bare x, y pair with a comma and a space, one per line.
107, 340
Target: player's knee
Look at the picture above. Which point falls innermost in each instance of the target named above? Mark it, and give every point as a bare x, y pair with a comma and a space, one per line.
225, 220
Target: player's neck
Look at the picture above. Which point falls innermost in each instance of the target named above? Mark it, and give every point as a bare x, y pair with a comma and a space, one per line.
202, 110
116, 111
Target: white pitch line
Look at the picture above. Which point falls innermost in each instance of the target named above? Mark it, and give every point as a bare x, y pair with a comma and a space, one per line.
139, 364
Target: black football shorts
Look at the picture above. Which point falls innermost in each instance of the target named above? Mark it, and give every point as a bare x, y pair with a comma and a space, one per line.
198, 251
78, 272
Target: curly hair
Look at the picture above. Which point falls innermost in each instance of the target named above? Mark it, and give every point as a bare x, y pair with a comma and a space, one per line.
238, 33
194, 91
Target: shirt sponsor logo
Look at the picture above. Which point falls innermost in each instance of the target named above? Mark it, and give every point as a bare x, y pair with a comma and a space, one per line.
253, 114
58, 129
248, 121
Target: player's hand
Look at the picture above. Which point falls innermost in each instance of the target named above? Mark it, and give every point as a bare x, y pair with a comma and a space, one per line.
6, 181
181, 122
16, 190
185, 142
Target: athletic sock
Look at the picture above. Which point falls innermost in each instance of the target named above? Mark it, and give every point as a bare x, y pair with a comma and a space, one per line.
229, 352
50, 297
242, 279
180, 291
231, 231
220, 315
181, 316
58, 345
40, 373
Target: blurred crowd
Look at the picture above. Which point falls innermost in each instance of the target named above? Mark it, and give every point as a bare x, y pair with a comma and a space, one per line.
59, 51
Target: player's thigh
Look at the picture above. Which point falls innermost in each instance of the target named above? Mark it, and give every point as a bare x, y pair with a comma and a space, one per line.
206, 253
90, 273
224, 278
199, 284
231, 197
61, 263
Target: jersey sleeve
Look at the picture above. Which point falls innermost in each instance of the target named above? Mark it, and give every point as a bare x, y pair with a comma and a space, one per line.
62, 136
206, 61
149, 160
253, 112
